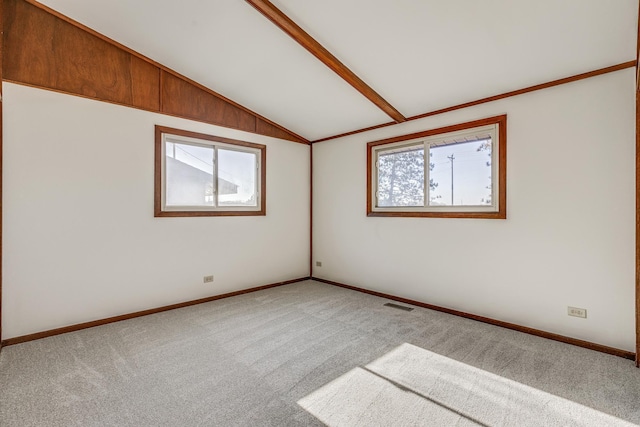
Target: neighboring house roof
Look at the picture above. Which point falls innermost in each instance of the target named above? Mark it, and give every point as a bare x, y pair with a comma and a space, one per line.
199, 177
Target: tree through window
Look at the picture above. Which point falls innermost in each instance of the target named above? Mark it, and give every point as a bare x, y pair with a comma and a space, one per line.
457, 171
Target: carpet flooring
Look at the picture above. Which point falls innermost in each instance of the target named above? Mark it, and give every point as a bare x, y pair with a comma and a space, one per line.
311, 354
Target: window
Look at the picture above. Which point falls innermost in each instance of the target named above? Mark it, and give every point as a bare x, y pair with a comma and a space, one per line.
204, 175
452, 172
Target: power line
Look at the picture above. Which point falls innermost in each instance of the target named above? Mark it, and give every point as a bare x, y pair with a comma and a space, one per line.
452, 158
193, 155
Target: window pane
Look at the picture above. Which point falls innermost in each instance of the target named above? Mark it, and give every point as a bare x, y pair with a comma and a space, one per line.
189, 175
236, 178
401, 177
460, 174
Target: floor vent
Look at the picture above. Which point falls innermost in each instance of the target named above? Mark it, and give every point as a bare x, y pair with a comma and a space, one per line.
399, 307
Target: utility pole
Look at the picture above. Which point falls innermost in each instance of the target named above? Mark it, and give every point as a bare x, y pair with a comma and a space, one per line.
452, 159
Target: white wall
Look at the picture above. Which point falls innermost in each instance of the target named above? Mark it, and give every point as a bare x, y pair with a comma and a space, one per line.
569, 234
80, 240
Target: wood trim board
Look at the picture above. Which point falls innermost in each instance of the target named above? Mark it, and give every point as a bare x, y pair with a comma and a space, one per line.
286, 24
573, 341
100, 322
638, 194
571, 79
1, 151
310, 210
637, 246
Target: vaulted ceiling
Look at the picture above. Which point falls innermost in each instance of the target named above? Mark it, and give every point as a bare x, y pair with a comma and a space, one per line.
418, 55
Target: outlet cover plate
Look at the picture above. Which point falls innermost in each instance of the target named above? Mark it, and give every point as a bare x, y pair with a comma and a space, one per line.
577, 312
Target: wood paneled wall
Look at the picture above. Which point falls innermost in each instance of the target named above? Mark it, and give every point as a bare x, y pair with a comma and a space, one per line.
202, 105
43, 49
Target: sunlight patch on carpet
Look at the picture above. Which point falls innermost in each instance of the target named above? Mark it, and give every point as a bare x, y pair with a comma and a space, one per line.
413, 386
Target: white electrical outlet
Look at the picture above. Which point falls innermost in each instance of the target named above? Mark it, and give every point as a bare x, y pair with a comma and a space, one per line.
208, 279
318, 263
577, 312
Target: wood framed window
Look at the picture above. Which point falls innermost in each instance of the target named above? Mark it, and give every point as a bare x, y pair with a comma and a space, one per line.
205, 175
456, 171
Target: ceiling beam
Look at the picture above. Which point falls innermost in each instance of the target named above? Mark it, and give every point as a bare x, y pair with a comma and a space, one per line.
546, 85
287, 25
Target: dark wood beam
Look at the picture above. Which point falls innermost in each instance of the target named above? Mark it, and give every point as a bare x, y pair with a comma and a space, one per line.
287, 25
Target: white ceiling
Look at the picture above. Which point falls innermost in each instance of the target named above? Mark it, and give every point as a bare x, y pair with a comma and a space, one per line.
420, 55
